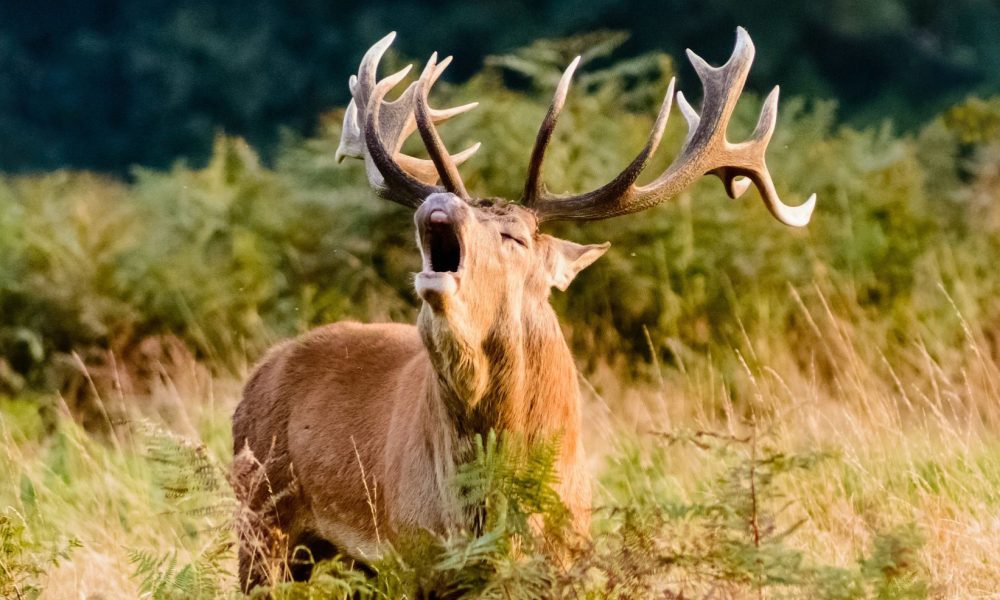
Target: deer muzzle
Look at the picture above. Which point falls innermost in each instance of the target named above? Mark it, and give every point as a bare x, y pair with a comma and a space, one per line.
440, 221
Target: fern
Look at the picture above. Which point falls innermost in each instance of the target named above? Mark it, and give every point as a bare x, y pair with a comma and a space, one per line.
24, 560
732, 537
512, 480
157, 574
164, 578
193, 482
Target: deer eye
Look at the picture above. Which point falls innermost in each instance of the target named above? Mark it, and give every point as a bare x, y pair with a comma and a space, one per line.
512, 238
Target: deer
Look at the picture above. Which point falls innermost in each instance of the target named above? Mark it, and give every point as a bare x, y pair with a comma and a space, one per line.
364, 425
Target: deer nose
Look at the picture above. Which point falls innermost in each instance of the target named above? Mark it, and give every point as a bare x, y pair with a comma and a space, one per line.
441, 209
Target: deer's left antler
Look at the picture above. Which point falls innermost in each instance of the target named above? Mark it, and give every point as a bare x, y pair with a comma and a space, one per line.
705, 150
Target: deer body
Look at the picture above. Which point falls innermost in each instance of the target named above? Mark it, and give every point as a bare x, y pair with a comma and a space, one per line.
367, 396
359, 428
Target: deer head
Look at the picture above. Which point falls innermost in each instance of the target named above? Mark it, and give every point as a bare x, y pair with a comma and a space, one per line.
487, 269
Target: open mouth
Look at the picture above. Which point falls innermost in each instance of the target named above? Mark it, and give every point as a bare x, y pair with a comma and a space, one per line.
444, 250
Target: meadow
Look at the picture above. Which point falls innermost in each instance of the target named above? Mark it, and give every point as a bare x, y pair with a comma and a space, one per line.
770, 412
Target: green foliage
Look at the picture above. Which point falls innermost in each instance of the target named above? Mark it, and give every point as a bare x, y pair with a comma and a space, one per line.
162, 579
891, 569
207, 254
511, 481
734, 534
235, 255
975, 120
23, 560
733, 528
635, 81
186, 473
504, 486
202, 505
334, 578
16, 570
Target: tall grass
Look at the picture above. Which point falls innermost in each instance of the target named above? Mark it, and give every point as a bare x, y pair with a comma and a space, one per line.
855, 487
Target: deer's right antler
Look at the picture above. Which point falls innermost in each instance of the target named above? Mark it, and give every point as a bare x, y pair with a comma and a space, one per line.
374, 131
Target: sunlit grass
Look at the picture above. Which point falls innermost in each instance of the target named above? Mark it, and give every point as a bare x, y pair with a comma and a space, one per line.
921, 454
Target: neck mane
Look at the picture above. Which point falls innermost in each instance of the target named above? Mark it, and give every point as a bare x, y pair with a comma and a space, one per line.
519, 377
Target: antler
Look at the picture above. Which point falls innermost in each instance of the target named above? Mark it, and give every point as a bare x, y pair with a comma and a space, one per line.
705, 150
374, 131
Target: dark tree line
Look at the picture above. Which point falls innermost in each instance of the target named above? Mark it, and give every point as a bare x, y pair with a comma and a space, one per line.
104, 84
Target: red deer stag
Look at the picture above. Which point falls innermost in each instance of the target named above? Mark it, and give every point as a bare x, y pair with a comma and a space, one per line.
361, 425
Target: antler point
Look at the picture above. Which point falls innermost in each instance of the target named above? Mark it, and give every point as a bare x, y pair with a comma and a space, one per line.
396, 77
798, 216
700, 65
810, 203
688, 112
380, 46
744, 45
743, 37
739, 186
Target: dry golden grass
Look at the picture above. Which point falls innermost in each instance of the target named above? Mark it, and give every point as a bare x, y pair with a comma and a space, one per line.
911, 440
914, 440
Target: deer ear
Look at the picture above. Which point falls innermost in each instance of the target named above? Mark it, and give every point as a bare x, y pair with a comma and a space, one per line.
565, 259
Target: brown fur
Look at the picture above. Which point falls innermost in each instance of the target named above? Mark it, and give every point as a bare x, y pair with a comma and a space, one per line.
400, 403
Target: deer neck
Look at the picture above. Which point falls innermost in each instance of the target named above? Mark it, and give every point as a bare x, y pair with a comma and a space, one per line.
518, 375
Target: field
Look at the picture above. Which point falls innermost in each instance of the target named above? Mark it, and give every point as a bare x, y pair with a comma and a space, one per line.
770, 412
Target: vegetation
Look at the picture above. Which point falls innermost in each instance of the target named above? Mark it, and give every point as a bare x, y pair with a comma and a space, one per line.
772, 412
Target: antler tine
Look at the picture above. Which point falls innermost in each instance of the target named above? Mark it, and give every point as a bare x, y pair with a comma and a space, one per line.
351, 143
404, 106
734, 183
534, 187
384, 174
705, 150
755, 148
450, 177
443, 114
392, 122
367, 77
402, 110
610, 199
